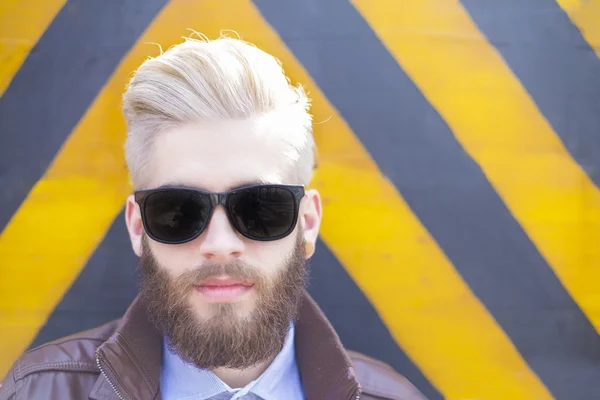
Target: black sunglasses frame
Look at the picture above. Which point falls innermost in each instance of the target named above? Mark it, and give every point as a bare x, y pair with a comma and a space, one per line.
220, 198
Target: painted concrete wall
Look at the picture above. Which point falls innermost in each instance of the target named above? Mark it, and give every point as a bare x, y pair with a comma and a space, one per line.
459, 162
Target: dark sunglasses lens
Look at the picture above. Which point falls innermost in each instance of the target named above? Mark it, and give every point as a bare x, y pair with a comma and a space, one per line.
176, 215
263, 212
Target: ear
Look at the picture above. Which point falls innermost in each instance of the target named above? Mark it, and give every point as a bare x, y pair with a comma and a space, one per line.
133, 219
310, 220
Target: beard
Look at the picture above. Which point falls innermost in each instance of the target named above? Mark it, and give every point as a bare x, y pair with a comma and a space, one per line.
224, 339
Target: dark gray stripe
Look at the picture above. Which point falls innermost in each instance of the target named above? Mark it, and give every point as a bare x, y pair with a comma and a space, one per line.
555, 64
57, 82
445, 188
107, 285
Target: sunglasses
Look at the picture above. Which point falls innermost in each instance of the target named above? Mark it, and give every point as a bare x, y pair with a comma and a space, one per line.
175, 215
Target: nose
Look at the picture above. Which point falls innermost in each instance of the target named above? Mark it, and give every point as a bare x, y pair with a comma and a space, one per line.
220, 242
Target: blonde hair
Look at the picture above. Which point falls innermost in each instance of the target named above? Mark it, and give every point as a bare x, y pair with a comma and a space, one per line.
208, 80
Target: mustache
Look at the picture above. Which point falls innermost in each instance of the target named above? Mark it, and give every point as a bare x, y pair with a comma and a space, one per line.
236, 270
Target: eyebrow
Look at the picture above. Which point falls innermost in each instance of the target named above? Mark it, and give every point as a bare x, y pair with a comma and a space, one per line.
247, 183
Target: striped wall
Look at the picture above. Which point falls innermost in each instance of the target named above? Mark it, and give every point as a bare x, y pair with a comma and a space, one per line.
459, 164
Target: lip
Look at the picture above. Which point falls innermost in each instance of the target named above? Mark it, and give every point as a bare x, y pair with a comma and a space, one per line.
223, 288
224, 281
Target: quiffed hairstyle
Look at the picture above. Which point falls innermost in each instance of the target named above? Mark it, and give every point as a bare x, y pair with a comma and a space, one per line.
209, 80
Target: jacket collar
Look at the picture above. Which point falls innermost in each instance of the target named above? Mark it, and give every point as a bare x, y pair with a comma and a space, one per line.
130, 359
325, 368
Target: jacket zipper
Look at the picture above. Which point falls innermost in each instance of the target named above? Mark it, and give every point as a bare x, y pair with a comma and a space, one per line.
358, 393
108, 380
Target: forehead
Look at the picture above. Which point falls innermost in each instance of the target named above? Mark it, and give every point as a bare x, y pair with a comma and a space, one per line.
218, 156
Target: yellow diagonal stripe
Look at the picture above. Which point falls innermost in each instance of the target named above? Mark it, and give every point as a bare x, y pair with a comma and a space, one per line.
68, 212
22, 23
423, 301
586, 15
497, 122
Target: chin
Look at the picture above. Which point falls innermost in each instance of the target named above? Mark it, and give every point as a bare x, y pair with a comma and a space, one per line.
206, 309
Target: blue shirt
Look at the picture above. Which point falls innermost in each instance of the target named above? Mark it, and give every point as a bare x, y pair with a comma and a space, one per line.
182, 381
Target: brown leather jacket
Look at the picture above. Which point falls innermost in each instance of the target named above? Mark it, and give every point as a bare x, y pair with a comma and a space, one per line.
121, 360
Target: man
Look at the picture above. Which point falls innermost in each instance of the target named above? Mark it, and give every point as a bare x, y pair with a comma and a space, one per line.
219, 150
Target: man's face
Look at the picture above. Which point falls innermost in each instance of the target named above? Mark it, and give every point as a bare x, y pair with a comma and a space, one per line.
207, 327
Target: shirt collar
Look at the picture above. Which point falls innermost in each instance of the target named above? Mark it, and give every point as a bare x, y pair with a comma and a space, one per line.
281, 380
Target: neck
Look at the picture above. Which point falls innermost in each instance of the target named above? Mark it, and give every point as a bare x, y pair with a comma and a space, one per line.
238, 378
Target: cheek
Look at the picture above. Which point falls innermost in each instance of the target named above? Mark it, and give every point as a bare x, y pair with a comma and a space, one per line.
270, 256
175, 259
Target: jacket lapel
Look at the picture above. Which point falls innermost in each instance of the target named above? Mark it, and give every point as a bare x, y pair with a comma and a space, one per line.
130, 360
325, 368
